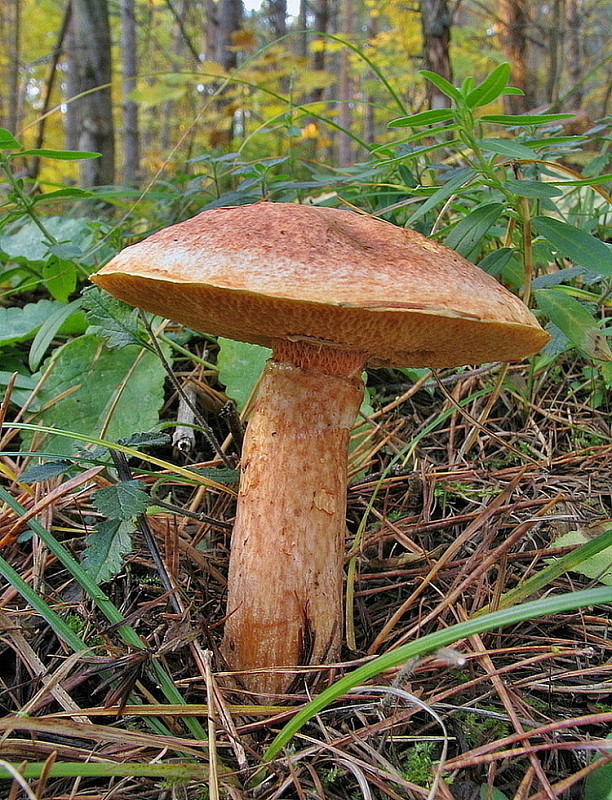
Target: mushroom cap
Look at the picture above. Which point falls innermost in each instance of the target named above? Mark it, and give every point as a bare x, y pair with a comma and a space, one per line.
281, 271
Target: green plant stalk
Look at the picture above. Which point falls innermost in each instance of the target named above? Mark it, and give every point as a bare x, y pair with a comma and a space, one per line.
569, 601
106, 606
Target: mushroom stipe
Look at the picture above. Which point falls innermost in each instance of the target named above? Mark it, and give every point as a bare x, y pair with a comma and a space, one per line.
330, 291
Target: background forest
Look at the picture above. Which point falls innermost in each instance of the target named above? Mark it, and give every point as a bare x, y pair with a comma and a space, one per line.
479, 543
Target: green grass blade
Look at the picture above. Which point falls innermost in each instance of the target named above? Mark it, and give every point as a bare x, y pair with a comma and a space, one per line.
432, 642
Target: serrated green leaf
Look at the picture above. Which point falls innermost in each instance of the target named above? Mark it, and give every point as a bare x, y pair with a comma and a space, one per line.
491, 88
61, 155
228, 477
466, 237
48, 330
95, 391
28, 243
240, 365
576, 322
424, 118
524, 119
524, 188
506, 147
146, 439
442, 84
42, 472
8, 141
123, 500
112, 319
574, 243
105, 549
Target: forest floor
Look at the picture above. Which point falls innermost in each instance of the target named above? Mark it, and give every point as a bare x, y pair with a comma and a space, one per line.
466, 514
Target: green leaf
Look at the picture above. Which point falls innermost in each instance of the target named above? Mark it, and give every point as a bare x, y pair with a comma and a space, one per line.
505, 147
574, 243
28, 243
48, 330
20, 324
424, 118
467, 235
491, 88
576, 322
532, 188
597, 567
60, 278
495, 262
240, 365
442, 84
443, 193
598, 784
61, 155
146, 439
112, 319
105, 549
123, 500
42, 472
524, 119
8, 141
94, 391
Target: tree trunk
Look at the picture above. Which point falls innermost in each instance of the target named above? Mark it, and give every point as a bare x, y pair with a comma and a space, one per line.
13, 38
575, 55
276, 14
92, 63
436, 28
555, 51
321, 25
131, 139
514, 19
345, 87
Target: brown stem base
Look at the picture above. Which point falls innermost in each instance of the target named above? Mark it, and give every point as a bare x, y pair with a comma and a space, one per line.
285, 575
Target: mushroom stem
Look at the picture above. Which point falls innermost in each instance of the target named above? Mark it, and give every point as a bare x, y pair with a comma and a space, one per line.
285, 573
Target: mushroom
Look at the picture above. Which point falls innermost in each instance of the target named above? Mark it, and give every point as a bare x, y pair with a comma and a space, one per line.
330, 291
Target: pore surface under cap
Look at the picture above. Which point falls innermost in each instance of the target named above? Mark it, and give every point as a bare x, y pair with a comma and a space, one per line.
270, 271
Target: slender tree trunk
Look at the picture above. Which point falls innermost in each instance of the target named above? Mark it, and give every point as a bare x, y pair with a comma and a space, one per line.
369, 129
131, 138
345, 86
321, 24
436, 29
575, 50
276, 13
513, 15
555, 50
13, 15
303, 27
221, 22
71, 126
92, 61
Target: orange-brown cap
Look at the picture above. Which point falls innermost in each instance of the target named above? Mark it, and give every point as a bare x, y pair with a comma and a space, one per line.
271, 271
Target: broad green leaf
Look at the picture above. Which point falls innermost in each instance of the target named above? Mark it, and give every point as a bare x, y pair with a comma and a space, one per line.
105, 549
48, 330
8, 141
495, 262
505, 147
122, 500
576, 322
445, 191
28, 243
491, 793
61, 155
491, 88
467, 235
597, 567
22, 388
20, 324
112, 319
524, 119
240, 365
60, 278
532, 188
146, 439
598, 784
95, 391
574, 243
424, 118
442, 84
